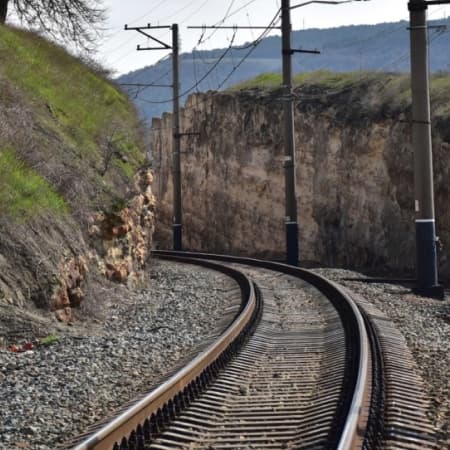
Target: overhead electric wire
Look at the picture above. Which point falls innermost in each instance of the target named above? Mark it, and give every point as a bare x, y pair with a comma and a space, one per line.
136, 74
160, 35
252, 46
297, 97
255, 44
119, 30
170, 16
370, 75
145, 86
227, 16
233, 13
195, 84
250, 24
195, 12
384, 33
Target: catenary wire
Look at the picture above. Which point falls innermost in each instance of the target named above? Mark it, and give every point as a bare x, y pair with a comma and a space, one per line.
335, 92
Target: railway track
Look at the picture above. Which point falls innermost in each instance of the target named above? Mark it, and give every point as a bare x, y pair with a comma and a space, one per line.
305, 364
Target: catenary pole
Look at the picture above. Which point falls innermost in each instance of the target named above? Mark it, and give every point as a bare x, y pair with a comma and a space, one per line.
176, 143
426, 255
289, 139
177, 213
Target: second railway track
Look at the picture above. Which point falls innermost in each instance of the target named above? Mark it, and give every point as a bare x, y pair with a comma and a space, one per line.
300, 368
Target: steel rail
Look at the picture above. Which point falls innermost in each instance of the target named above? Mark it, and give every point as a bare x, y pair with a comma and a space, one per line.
353, 432
354, 420
128, 421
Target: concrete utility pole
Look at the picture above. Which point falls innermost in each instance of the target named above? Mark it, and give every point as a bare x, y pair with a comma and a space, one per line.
289, 139
176, 163
289, 132
176, 160
426, 255
292, 247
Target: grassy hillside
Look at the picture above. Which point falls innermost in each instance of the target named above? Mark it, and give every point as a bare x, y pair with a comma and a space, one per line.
23, 192
70, 147
93, 123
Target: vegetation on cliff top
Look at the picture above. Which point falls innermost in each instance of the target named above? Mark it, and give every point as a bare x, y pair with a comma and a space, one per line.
390, 88
320, 78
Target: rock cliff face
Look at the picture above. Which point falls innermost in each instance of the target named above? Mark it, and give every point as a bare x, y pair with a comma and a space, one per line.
354, 174
117, 247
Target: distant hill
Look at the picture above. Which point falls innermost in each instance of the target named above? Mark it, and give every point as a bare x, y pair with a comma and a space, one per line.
382, 47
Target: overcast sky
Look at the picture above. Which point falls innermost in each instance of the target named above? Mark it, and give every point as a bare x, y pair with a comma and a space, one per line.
118, 50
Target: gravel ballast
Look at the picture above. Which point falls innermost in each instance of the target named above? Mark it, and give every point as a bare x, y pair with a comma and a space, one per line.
53, 392
425, 324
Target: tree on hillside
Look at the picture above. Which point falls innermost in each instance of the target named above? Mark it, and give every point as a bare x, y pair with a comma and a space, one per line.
74, 22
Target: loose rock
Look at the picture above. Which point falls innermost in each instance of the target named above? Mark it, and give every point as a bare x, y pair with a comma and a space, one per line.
54, 392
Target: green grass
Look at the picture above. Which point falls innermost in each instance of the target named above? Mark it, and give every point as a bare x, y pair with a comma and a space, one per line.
265, 80
390, 89
323, 78
72, 125
23, 192
82, 104
396, 84
440, 93
328, 80
51, 339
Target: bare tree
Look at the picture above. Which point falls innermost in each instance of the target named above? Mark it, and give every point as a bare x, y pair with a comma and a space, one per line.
74, 22
3, 10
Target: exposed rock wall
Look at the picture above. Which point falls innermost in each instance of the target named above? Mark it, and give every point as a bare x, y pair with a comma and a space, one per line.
354, 175
126, 236
117, 247
58, 266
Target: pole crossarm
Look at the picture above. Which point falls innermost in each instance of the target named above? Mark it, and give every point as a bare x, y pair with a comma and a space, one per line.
163, 47
421, 5
326, 2
437, 2
142, 30
231, 27
300, 50
177, 224
149, 27
145, 85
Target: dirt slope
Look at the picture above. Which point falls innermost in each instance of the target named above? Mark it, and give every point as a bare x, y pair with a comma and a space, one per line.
76, 207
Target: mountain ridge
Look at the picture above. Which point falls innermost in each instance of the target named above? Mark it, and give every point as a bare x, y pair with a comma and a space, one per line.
380, 47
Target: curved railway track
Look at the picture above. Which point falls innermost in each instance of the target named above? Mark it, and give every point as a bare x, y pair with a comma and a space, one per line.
302, 366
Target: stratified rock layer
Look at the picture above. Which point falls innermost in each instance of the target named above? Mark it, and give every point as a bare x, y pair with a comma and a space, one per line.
354, 174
